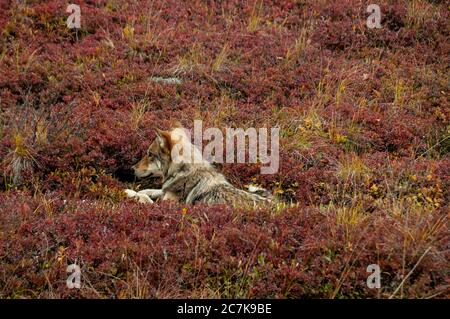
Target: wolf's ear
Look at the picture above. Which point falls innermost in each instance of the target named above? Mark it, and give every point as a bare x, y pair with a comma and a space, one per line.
176, 124
164, 140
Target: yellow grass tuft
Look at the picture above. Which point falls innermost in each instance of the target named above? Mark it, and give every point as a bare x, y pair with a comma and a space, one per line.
221, 58
294, 53
419, 12
255, 17
350, 215
138, 111
352, 167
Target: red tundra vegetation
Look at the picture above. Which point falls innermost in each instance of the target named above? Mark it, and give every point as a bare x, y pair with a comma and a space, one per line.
364, 148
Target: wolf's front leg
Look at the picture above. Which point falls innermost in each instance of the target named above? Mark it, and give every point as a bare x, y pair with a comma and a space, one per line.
141, 198
152, 193
159, 193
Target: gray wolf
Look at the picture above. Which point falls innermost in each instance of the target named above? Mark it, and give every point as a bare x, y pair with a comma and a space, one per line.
187, 177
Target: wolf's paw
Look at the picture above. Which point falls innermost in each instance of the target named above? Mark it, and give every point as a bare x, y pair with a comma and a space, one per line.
152, 193
140, 197
258, 190
130, 193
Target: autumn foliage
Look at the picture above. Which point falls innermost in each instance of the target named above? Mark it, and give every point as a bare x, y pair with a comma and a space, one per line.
364, 148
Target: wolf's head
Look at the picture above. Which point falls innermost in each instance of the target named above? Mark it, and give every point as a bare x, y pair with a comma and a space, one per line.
169, 147
157, 159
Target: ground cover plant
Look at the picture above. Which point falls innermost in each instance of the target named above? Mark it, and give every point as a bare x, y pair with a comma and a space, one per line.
364, 148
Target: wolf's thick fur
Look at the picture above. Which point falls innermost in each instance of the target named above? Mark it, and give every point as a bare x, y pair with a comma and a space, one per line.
188, 178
